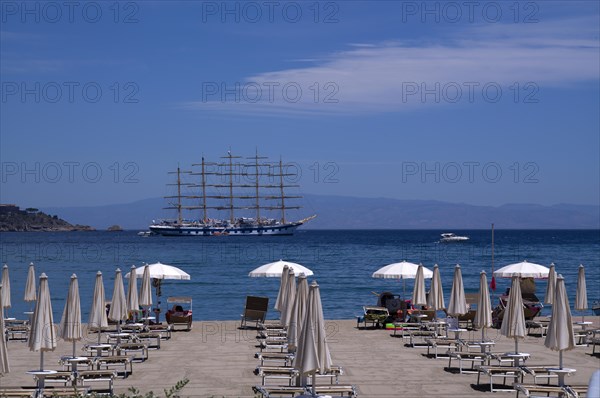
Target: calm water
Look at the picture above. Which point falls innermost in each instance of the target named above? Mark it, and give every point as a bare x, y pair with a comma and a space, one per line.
342, 261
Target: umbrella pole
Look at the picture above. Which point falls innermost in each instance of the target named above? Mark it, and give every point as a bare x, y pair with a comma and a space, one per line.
314, 384
74, 349
516, 345
42, 360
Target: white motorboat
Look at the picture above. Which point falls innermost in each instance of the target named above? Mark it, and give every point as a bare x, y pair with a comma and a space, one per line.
449, 237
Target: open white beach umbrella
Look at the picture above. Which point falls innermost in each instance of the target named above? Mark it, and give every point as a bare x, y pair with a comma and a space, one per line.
98, 318
290, 291
133, 303
298, 313
30, 293
581, 301
483, 316
280, 302
42, 335
70, 324
550, 287
513, 321
5, 287
313, 354
402, 270
162, 271
118, 307
419, 297
435, 300
275, 269
458, 303
560, 336
523, 269
4, 365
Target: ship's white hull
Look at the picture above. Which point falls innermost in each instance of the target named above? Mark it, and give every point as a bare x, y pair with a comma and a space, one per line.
191, 230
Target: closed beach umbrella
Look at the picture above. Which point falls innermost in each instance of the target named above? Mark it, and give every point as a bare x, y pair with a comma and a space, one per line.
435, 300
560, 336
118, 308
290, 291
280, 302
549, 298
402, 270
513, 322
458, 303
70, 324
581, 301
313, 354
298, 312
4, 366
275, 269
419, 297
132, 291
30, 294
98, 318
483, 317
5, 287
146, 291
42, 336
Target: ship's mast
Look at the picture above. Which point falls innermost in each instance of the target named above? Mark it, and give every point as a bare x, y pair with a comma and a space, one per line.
281, 190
179, 206
257, 182
179, 219
205, 218
231, 217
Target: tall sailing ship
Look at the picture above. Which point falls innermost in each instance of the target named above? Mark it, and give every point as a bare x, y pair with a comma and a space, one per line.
262, 186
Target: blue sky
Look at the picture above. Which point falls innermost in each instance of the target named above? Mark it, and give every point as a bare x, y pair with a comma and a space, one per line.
487, 105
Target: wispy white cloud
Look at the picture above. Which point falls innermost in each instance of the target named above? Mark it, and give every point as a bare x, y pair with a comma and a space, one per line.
383, 77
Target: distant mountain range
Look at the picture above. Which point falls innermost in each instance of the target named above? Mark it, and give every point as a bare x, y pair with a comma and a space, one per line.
344, 212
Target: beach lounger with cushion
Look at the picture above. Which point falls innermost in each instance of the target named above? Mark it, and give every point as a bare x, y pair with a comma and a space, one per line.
255, 310
125, 348
278, 391
503, 372
336, 390
540, 371
263, 334
474, 358
148, 338
17, 332
273, 346
333, 374
374, 315
49, 391
276, 372
17, 392
284, 357
535, 325
536, 391
96, 376
578, 391
422, 334
271, 325
163, 330
64, 377
115, 361
436, 343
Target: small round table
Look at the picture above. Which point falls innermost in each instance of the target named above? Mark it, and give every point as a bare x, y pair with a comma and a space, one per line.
40, 375
517, 356
562, 372
101, 347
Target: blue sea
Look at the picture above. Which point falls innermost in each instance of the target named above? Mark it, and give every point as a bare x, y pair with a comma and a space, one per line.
342, 262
